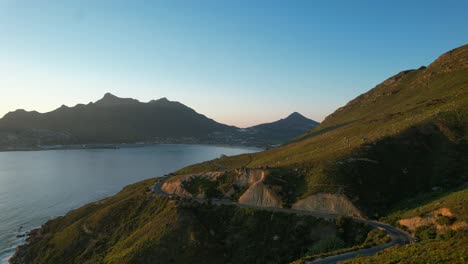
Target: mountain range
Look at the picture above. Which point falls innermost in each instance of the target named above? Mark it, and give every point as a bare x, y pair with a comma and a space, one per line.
113, 120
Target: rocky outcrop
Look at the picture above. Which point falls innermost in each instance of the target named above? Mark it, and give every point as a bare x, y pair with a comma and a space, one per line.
175, 184
328, 203
174, 187
257, 194
242, 178
431, 219
260, 195
247, 177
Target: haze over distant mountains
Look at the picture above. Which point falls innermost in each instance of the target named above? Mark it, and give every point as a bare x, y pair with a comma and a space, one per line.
112, 120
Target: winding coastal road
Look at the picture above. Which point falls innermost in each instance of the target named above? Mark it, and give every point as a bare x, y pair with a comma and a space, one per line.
397, 236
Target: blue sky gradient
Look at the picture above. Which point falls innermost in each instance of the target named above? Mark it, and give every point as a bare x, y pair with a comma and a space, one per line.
239, 62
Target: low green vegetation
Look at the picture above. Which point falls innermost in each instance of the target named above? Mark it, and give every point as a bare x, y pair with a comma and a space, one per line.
204, 187
449, 250
455, 200
444, 220
200, 185
136, 226
219, 164
434, 246
426, 232
374, 237
291, 184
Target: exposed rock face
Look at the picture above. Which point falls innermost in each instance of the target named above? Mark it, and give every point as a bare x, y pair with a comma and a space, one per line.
242, 178
260, 195
175, 187
430, 219
175, 184
249, 176
328, 203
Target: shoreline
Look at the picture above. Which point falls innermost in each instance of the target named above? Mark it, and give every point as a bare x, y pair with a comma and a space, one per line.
21, 239
26, 234
122, 146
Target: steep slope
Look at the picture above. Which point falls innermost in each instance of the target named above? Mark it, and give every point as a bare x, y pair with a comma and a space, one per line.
405, 136
441, 222
136, 226
113, 120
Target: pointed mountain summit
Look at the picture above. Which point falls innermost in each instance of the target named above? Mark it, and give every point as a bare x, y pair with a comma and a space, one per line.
294, 121
296, 115
297, 118
284, 129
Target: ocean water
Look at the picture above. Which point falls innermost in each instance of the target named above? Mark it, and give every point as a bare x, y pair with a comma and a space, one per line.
36, 186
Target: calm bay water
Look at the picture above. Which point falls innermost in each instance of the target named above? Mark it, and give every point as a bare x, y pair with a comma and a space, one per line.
36, 186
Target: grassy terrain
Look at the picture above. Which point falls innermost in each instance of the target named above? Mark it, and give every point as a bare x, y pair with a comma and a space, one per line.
374, 237
408, 135
450, 247
453, 250
456, 201
136, 226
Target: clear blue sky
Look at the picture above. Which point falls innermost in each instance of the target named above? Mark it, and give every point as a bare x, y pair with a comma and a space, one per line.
239, 62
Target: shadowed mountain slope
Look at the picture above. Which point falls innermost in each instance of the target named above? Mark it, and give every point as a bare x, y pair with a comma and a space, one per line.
126, 120
114, 120
284, 129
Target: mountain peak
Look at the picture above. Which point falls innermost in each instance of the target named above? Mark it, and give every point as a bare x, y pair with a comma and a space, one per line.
295, 115
160, 100
109, 95
112, 100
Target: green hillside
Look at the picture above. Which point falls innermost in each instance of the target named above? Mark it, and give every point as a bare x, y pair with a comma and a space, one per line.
405, 136
136, 226
398, 151
448, 246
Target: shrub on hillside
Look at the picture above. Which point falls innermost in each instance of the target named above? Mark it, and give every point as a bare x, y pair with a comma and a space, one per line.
426, 232
445, 220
